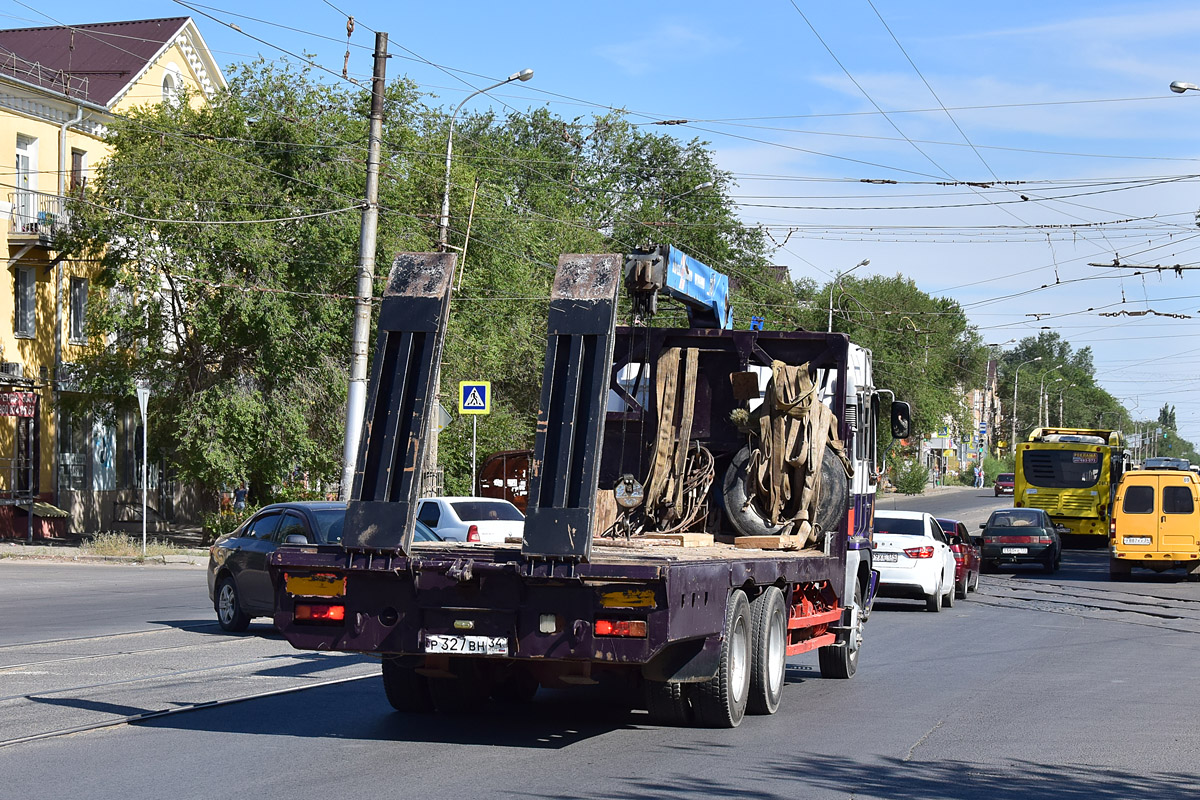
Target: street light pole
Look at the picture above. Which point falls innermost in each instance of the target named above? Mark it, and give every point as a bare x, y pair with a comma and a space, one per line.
1060, 403
1042, 389
431, 454
1012, 443
836, 279
444, 219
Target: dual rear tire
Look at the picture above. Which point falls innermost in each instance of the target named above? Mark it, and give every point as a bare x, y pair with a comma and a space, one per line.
750, 677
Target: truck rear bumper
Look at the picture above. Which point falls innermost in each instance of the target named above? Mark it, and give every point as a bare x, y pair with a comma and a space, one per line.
665, 616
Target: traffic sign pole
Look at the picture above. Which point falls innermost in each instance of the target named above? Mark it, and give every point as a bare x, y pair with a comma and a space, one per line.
474, 398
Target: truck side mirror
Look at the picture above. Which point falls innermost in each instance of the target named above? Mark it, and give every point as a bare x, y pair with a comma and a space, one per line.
901, 420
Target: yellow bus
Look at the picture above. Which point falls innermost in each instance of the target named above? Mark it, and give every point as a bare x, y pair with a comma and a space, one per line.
1072, 474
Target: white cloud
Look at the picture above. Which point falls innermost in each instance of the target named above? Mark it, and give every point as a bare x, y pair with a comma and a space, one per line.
670, 43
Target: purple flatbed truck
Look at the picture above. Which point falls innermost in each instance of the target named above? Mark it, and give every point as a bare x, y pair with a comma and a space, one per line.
686, 587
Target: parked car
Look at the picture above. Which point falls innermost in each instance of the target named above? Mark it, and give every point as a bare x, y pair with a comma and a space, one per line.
966, 557
238, 583
1021, 536
472, 519
1005, 482
914, 559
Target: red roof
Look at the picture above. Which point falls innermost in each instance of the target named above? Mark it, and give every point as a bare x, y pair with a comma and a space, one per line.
91, 62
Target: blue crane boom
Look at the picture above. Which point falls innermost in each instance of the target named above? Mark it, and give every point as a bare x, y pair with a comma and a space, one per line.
666, 269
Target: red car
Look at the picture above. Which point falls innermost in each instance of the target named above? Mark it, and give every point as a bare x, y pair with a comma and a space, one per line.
967, 558
1004, 483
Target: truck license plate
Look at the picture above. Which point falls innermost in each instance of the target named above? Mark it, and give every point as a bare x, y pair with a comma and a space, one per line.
466, 645
887, 557
1136, 540
1014, 551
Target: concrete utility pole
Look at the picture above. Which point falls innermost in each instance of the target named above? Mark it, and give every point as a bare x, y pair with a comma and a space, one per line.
356, 401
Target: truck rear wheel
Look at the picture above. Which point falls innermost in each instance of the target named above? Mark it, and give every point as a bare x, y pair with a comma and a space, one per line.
667, 703
468, 690
721, 701
841, 660
405, 689
768, 657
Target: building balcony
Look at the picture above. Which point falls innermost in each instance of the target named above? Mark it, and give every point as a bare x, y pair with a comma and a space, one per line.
34, 217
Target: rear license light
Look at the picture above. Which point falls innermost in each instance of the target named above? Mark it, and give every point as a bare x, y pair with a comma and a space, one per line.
473, 533
919, 552
320, 613
620, 627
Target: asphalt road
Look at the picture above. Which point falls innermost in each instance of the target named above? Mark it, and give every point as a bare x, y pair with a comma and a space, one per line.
1039, 686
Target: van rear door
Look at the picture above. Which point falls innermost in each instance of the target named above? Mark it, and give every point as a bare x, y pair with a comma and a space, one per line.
1137, 514
1177, 521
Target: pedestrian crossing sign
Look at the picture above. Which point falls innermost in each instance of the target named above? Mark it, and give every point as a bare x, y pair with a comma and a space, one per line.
475, 397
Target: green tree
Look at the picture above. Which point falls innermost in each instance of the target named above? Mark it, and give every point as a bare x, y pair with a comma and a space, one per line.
1166, 416
243, 329
224, 277
924, 348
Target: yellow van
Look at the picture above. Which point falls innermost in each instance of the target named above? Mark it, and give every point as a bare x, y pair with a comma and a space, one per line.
1155, 522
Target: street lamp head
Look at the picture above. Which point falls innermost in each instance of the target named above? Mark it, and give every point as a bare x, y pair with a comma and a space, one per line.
523, 75
864, 262
1179, 87
1039, 358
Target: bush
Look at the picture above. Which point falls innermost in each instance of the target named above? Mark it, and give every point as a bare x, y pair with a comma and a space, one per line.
993, 467
966, 475
911, 477
111, 543
219, 523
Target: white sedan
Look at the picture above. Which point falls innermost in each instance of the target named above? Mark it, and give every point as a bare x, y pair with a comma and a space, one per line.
472, 519
914, 558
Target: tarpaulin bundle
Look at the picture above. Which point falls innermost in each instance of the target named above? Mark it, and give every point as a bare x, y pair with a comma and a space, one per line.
793, 429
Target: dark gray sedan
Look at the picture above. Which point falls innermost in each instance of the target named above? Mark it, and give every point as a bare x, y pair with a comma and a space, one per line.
1020, 536
238, 582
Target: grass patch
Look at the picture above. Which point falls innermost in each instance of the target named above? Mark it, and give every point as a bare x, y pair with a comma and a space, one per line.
112, 543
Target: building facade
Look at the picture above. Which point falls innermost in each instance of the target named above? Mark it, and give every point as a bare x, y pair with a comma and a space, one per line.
60, 88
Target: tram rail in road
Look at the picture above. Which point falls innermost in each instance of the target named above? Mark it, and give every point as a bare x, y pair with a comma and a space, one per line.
50, 689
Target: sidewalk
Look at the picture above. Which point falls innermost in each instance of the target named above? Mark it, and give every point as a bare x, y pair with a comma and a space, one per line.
185, 542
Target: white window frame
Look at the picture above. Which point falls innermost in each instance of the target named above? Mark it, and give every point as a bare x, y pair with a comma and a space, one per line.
26, 178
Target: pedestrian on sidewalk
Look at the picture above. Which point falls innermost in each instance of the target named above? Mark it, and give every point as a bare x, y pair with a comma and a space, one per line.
239, 497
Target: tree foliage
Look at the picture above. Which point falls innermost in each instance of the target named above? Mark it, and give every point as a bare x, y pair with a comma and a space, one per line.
227, 235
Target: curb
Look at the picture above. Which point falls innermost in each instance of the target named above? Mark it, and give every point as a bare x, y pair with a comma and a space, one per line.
18, 554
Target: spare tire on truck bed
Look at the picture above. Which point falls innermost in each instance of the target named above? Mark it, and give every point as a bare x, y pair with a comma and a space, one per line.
751, 520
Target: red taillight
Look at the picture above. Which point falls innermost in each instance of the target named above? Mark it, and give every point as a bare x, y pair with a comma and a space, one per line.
473, 533
1045, 540
1112, 528
620, 627
919, 552
321, 613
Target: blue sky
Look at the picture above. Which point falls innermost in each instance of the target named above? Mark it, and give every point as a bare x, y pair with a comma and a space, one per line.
803, 101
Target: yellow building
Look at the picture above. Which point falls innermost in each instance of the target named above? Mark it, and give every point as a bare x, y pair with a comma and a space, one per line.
59, 89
